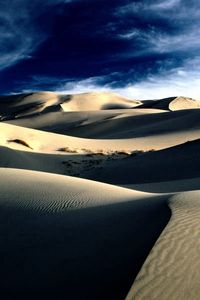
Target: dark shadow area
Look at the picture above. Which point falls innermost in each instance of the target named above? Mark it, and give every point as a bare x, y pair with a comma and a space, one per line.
174, 163
136, 126
158, 103
90, 253
133, 126
20, 142
9, 111
115, 106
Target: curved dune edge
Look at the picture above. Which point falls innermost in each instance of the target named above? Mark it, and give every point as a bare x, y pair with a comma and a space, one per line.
173, 186
97, 101
93, 230
42, 141
171, 271
180, 103
54, 193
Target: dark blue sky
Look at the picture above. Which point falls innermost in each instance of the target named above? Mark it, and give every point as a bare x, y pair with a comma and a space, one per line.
142, 49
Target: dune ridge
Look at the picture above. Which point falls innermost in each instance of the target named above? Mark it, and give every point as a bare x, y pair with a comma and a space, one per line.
171, 271
92, 197
172, 103
54, 227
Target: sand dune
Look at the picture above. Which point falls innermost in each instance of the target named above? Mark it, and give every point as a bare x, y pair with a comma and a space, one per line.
116, 124
81, 123
121, 169
17, 106
184, 103
67, 236
48, 142
97, 101
21, 105
171, 270
175, 163
172, 186
172, 103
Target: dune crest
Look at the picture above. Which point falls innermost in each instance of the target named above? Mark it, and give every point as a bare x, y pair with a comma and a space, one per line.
97, 101
171, 271
172, 103
181, 103
85, 181
62, 235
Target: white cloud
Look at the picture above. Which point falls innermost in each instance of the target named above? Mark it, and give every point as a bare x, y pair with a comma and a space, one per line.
185, 21
19, 35
84, 86
165, 5
184, 81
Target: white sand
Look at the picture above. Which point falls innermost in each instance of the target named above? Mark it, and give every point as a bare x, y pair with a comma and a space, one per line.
171, 271
173, 103
97, 101
184, 103
67, 237
63, 235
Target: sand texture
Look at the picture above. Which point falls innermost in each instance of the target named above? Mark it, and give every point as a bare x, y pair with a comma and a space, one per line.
99, 197
171, 270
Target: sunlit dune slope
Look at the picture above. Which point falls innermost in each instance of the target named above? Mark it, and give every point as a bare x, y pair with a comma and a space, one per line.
66, 236
171, 270
172, 103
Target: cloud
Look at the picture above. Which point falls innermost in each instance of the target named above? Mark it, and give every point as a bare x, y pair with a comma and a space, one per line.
160, 27
19, 32
90, 84
182, 81
134, 47
165, 5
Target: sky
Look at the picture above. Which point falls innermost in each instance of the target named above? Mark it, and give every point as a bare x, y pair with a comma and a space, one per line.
146, 49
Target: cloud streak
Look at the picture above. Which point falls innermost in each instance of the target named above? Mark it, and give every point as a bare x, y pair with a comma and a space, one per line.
135, 47
19, 32
182, 81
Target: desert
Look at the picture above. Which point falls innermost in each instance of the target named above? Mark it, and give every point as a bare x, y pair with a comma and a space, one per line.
99, 196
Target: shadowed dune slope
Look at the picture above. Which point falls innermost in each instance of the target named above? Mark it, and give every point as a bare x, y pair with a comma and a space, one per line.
115, 124
97, 101
172, 103
47, 142
12, 107
72, 164
171, 271
179, 162
73, 238
21, 105
83, 123
64, 237
172, 186
141, 125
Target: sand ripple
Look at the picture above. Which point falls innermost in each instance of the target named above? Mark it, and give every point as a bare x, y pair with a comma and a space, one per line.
171, 271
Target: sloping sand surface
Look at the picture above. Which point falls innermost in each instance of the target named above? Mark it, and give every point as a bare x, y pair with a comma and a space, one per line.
172, 103
16, 106
184, 103
80, 123
172, 186
132, 125
21, 105
171, 270
175, 163
97, 101
144, 171
72, 238
48, 142
115, 124
65, 237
